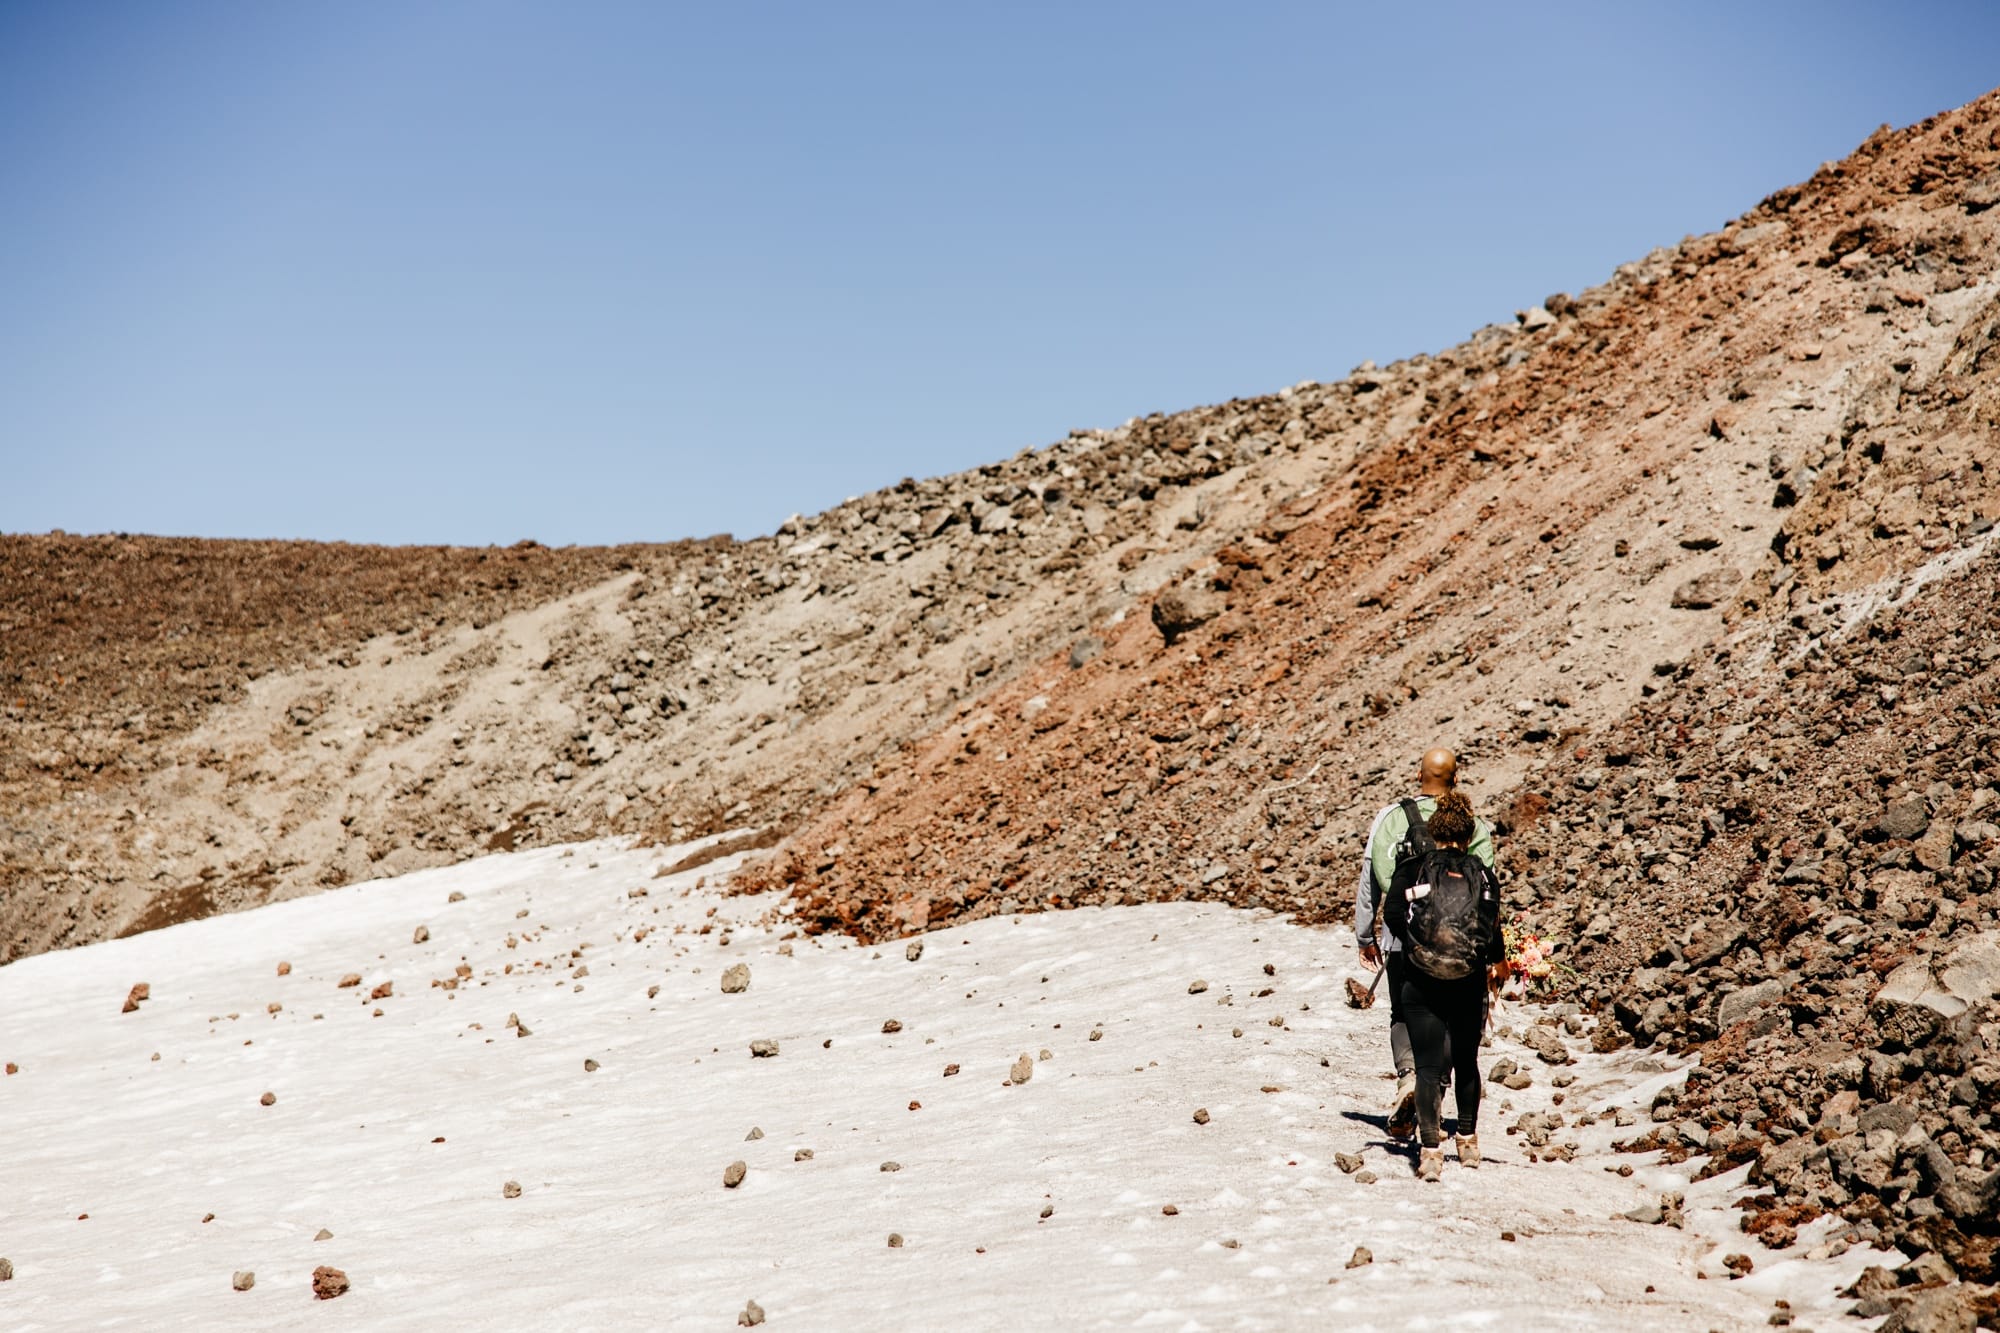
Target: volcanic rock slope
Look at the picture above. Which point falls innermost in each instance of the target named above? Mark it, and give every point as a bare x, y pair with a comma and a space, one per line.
1656, 559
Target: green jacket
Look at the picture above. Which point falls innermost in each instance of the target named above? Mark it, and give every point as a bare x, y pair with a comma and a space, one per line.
1378, 863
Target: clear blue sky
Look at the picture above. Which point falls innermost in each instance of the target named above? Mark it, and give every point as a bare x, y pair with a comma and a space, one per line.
473, 270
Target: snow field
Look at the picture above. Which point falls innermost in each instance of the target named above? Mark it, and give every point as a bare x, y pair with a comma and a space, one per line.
623, 1220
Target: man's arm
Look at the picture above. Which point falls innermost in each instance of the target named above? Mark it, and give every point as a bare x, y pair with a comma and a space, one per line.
1365, 890
1389, 832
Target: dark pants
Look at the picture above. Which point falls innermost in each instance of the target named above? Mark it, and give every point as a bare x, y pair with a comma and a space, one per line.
1401, 1054
1445, 1019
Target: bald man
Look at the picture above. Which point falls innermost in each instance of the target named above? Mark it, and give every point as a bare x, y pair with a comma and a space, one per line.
1437, 773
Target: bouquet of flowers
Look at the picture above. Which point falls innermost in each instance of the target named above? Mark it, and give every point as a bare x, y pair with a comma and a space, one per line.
1532, 971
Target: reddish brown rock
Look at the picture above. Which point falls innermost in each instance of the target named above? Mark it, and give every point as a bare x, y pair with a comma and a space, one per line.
328, 1283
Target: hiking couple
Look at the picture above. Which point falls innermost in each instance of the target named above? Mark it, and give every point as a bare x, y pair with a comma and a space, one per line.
1427, 876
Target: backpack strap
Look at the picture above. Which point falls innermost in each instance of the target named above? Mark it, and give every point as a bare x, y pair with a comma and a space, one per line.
1418, 834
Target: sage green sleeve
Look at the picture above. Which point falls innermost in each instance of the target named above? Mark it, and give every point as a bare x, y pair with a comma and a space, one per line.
1482, 842
1382, 852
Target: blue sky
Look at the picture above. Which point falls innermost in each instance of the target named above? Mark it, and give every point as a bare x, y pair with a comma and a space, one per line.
476, 271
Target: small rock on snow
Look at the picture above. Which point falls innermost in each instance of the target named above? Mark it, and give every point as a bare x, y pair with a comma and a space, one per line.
732, 1175
140, 991
511, 1190
736, 979
914, 951
1347, 1162
1201, 1115
1197, 986
243, 1280
268, 1099
754, 1134
328, 1283
1362, 1255
753, 1315
422, 935
763, 1048
895, 1240
891, 1025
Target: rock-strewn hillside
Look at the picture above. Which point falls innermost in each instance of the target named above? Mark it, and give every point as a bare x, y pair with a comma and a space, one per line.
1695, 569
1746, 440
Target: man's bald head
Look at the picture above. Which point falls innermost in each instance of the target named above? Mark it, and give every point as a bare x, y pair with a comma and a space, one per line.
1437, 773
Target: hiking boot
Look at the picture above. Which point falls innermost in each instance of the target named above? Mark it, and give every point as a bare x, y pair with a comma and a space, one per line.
1430, 1164
1403, 1116
1468, 1149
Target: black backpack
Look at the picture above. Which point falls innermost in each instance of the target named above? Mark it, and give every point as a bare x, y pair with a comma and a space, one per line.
1434, 904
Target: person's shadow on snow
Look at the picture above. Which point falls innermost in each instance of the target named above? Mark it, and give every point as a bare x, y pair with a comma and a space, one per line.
1384, 1140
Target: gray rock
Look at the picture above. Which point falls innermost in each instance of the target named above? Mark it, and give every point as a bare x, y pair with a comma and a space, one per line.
890, 1168
1892, 1116
1905, 817
1180, 609
1706, 590
1933, 850
1967, 975
1977, 832
763, 1048
736, 979
754, 1134
1544, 1042
1969, 1196
1741, 1004
1950, 1309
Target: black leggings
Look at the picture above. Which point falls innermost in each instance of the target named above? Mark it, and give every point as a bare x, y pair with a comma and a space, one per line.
1445, 1019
